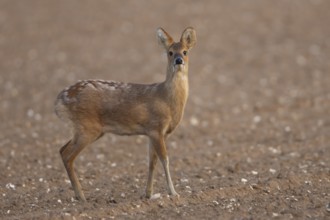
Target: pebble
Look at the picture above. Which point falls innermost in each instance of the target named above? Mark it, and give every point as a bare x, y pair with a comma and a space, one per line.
100, 156
275, 214
308, 182
272, 170
161, 204
257, 119
113, 165
274, 150
254, 172
155, 196
244, 180
10, 186
328, 207
210, 143
194, 121
287, 129
30, 113
184, 180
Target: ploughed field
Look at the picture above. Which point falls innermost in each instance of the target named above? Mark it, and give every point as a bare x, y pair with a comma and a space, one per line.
254, 140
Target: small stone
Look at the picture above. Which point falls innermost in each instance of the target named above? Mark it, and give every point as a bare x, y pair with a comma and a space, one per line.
100, 156
210, 143
161, 204
173, 144
275, 214
184, 180
194, 121
232, 200
244, 180
274, 150
308, 182
294, 154
287, 129
155, 196
328, 207
254, 172
257, 119
30, 113
113, 165
10, 186
273, 171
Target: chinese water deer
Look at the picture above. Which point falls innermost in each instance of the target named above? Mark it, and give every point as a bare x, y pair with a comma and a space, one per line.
95, 107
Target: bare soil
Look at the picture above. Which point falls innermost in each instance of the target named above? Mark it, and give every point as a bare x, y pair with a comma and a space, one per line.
254, 140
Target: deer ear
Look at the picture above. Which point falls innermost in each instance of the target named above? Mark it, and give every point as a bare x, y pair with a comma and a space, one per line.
164, 38
188, 37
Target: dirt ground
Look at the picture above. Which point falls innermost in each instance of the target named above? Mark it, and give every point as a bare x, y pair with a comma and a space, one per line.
254, 140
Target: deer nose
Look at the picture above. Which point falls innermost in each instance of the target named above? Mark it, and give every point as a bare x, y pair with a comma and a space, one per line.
179, 61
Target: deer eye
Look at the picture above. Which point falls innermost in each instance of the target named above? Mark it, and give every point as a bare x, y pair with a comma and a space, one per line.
170, 53
185, 52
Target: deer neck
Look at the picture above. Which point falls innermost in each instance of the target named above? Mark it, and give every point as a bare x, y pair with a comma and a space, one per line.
176, 86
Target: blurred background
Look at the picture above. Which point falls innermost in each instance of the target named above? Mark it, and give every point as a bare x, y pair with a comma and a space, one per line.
259, 91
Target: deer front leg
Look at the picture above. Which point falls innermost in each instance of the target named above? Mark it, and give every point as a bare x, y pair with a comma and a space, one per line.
159, 144
152, 164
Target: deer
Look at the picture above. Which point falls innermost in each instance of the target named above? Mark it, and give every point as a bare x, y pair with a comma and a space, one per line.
95, 107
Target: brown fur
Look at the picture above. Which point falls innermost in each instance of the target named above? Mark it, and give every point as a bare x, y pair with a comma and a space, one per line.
95, 107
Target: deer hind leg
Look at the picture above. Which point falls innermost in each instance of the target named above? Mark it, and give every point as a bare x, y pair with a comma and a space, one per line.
70, 151
159, 145
152, 164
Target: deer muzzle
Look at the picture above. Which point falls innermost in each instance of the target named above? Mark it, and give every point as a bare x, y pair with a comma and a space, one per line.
178, 60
